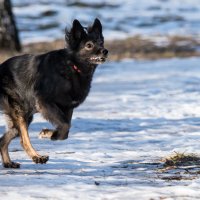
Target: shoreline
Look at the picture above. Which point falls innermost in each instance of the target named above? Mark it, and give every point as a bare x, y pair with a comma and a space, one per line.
136, 47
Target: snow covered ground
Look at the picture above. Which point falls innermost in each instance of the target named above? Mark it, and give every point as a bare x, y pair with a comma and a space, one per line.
137, 113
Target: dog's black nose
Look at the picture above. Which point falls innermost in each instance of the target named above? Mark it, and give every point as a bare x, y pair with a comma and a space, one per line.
105, 52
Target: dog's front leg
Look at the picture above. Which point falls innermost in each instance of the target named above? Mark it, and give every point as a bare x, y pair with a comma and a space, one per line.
62, 130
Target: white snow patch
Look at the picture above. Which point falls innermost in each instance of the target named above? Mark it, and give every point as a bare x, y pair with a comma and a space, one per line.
137, 113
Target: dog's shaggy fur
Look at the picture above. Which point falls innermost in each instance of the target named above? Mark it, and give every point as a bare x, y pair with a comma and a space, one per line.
53, 84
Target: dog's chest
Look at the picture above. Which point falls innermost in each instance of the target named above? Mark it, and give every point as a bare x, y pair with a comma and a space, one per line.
80, 89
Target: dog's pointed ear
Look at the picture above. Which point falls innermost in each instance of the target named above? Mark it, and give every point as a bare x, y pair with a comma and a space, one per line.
97, 27
77, 30
75, 35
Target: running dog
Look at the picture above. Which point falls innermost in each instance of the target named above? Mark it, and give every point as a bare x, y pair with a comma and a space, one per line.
52, 84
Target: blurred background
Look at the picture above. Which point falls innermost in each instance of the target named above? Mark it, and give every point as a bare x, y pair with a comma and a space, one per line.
132, 29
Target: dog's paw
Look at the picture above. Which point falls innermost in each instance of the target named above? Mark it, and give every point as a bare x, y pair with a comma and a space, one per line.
40, 159
46, 133
11, 165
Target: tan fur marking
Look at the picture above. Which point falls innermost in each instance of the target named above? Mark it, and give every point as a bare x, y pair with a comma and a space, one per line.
25, 140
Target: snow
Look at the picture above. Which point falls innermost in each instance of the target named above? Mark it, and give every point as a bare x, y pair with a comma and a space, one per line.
136, 113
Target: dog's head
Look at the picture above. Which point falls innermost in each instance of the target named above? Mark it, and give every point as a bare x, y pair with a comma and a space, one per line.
86, 44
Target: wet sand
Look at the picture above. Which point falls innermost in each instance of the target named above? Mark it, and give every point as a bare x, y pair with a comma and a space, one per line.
136, 47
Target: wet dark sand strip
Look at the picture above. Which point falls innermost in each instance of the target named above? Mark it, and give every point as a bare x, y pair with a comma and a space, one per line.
135, 47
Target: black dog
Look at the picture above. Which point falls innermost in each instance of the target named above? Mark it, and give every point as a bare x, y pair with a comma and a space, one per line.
53, 84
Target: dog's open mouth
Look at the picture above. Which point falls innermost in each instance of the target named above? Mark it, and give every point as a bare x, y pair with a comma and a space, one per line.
97, 60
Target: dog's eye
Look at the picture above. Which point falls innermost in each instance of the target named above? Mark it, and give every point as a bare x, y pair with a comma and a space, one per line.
89, 45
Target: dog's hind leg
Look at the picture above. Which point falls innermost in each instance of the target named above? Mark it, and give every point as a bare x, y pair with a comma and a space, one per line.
5, 141
25, 141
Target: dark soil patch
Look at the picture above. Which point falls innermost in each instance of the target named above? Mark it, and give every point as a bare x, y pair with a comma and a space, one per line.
135, 47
